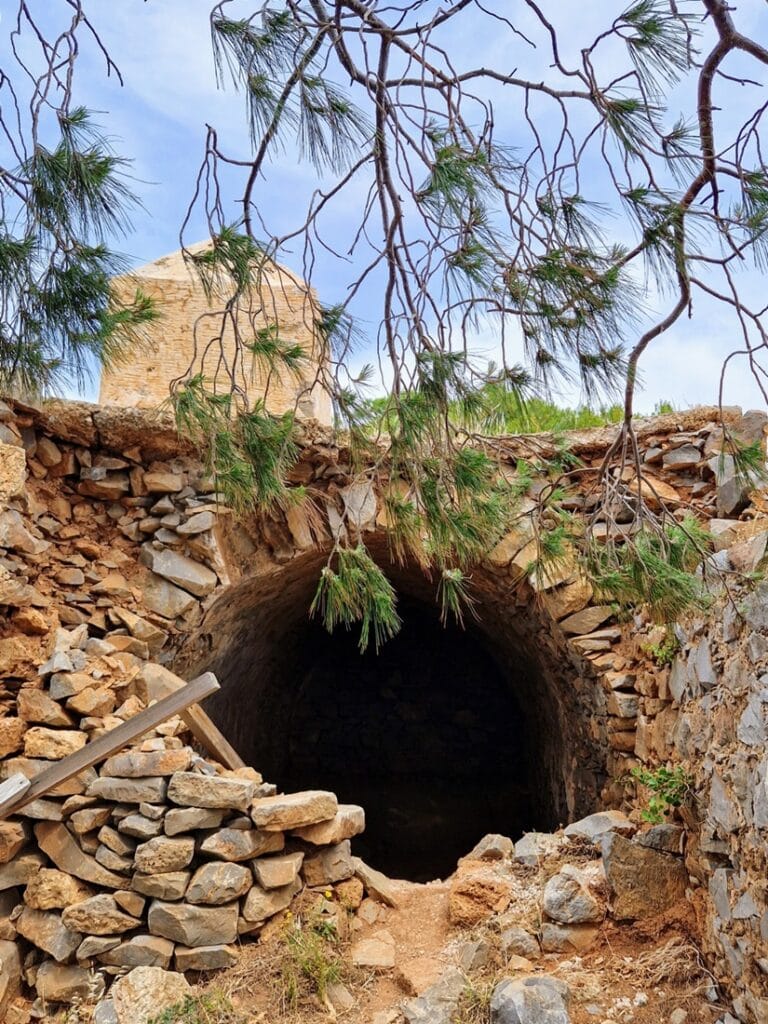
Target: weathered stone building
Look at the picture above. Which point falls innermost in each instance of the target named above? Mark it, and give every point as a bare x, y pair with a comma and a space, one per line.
186, 338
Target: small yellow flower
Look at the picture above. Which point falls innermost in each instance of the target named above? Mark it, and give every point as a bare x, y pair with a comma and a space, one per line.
328, 894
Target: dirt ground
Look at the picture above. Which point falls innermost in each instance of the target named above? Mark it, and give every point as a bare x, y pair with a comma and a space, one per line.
634, 973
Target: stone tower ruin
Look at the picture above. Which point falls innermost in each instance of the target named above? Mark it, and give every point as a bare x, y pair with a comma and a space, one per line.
188, 323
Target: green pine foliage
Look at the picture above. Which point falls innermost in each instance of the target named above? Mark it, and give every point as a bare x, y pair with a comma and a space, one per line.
357, 591
655, 568
248, 452
61, 316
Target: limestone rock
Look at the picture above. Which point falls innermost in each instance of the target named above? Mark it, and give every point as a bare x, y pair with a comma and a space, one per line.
294, 810
534, 845
18, 656
261, 904
98, 915
377, 952
158, 482
161, 855
13, 472
237, 844
140, 826
51, 889
492, 847
332, 864
213, 791
348, 821
145, 992
129, 791
21, 870
89, 818
36, 706
12, 732
48, 932
535, 1000
169, 886
59, 983
516, 941
54, 839
164, 598
567, 898
198, 523
276, 872
93, 945
439, 1003
13, 836
53, 744
193, 925
643, 881
376, 884
139, 951
131, 902
205, 958
112, 487
189, 819
588, 620
10, 974
15, 535
180, 570
219, 882
567, 938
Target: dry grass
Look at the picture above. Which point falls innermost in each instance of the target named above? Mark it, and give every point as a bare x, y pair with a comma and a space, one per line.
678, 963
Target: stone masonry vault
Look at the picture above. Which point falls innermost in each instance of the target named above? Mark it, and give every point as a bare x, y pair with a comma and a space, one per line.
445, 735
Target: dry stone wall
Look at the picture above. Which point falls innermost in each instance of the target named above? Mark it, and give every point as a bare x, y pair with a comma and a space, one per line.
118, 560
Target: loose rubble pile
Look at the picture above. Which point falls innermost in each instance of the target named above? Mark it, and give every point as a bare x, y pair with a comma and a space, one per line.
159, 857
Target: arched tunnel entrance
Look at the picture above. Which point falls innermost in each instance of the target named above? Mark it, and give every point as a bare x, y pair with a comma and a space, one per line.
446, 734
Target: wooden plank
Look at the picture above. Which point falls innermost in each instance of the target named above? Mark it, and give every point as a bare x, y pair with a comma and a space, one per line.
13, 787
100, 749
207, 734
214, 741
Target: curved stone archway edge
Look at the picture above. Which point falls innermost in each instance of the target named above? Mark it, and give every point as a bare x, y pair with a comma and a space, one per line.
105, 582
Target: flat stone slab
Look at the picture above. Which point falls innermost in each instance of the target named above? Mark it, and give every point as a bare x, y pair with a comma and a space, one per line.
129, 791
377, 952
98, 915
134, 764
294, 810
219, 882
261, 904
180, 570
189, 789
236, 844
643, 881
597, 825
348, 821
54, 839
193, 925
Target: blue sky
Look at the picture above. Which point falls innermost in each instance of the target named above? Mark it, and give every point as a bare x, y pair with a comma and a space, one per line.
158, 119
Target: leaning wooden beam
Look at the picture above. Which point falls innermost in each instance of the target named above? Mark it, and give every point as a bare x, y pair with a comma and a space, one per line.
200, 724
100, 749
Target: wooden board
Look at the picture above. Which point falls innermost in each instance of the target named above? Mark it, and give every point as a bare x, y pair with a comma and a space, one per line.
100, 749
207, 734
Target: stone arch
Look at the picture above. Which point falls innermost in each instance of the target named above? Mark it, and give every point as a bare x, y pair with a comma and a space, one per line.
508, 697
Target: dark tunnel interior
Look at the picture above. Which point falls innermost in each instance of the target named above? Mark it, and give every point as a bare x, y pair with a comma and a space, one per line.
444, 735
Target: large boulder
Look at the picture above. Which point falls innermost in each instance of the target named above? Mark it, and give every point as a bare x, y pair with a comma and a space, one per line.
643, 882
